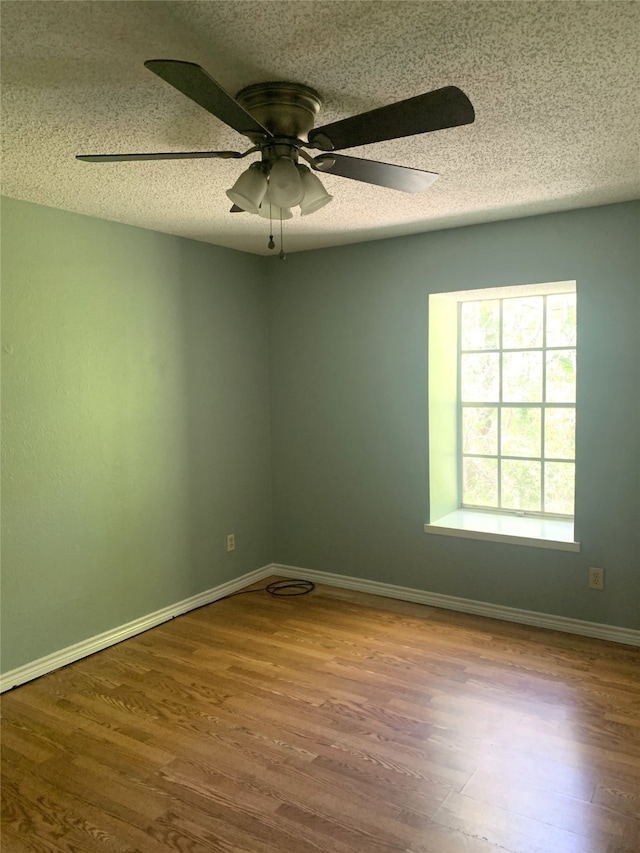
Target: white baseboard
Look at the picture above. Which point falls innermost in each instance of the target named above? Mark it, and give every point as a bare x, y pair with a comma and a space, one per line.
43, 665
109, 638
628, 636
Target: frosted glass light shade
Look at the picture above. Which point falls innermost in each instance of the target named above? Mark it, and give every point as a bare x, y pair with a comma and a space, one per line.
285, 185
277, 213
250, 188
315, 195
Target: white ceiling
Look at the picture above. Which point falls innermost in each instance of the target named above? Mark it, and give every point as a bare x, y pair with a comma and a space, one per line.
555, 86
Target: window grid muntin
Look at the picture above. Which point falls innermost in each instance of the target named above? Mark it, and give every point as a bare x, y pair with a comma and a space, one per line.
500, 405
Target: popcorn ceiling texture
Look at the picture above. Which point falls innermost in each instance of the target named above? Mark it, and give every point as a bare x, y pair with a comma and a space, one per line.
555, 87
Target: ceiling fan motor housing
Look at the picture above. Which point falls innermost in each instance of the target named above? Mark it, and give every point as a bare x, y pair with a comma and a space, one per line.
284, 109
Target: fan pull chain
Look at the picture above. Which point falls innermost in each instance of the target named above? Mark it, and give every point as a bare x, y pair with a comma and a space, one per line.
270, 244
282, 254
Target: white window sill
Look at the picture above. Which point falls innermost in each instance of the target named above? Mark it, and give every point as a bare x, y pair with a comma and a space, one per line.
518, 530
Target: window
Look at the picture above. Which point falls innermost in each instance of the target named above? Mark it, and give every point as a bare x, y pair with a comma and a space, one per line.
517, 414
502, 413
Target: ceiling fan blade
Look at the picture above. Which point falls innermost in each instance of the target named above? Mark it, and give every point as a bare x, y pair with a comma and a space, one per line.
168, 155
194, 82
400, 178
442, 108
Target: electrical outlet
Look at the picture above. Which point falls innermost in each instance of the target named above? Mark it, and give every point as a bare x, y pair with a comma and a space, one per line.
596, 578
231, 542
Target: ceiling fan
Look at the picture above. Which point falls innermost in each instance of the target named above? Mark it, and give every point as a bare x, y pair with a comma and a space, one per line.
278, 119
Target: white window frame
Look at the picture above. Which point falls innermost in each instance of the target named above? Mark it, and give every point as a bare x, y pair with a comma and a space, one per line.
447, 514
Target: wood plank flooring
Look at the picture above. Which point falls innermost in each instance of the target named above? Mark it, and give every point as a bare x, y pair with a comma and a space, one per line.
334, 722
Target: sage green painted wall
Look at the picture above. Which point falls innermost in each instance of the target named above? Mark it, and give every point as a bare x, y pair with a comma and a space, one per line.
349, 410
136, 424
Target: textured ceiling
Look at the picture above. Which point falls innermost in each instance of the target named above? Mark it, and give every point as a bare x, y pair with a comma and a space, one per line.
555, 86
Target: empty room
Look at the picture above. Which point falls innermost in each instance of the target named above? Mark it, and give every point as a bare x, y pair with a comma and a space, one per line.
320, 426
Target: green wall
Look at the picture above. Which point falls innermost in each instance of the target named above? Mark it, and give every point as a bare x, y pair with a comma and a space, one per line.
151, 383
135, 424
349, 410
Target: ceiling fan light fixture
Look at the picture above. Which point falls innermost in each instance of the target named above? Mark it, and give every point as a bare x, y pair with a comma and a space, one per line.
250, 188
315, 195
285, 185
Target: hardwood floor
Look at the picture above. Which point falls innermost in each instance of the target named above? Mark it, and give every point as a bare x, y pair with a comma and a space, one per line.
336, 722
